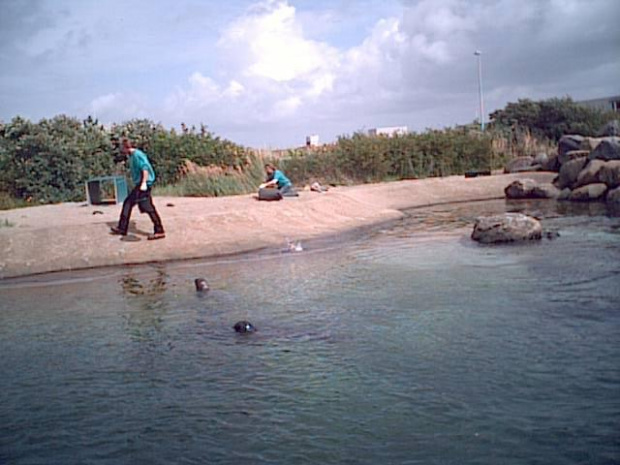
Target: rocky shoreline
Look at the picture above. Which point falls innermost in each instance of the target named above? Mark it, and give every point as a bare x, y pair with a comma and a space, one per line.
588, 170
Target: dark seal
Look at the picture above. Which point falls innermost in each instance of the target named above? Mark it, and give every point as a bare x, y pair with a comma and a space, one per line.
201, 285
244, 327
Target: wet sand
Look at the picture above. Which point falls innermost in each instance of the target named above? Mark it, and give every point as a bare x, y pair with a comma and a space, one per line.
74, 236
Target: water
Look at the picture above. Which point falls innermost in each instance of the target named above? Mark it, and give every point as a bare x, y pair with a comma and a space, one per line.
404, 345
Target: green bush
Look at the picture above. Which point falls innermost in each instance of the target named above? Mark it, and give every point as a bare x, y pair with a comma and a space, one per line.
361, 158
551, 118
49, 161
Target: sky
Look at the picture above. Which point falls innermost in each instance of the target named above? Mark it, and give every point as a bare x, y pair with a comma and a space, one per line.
266, 74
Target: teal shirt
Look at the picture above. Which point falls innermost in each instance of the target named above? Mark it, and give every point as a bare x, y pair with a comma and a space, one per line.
281, 179
138, 162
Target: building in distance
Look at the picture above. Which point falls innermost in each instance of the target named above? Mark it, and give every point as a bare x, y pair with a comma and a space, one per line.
390, 131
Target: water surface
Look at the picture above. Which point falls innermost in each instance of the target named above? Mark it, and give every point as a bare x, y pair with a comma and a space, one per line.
408, 344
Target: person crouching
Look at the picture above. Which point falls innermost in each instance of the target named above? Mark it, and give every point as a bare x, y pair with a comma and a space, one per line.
276, 178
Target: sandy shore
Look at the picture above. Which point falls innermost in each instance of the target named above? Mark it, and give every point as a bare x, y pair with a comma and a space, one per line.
74, 236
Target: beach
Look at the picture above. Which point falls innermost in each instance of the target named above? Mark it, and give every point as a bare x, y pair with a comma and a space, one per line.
74, 236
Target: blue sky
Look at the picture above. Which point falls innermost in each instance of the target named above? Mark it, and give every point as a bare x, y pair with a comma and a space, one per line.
267, 73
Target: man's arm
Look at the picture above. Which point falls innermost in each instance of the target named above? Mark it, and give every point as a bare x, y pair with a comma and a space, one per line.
145, 178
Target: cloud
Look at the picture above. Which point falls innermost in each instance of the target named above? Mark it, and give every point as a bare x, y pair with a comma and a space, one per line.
118, 107
274, 71
272, 68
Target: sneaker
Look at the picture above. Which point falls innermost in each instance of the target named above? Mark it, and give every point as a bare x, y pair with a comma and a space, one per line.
155, 236
117, 231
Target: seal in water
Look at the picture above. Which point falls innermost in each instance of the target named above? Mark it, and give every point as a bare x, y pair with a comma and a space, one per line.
244, 327
201, 285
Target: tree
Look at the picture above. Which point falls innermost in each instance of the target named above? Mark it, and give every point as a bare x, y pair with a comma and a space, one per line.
551, 118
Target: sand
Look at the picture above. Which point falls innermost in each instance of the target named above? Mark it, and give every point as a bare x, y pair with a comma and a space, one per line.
72, 236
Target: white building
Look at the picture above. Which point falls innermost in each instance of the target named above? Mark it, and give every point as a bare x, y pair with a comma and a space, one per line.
603, 104
312, 141
389, 131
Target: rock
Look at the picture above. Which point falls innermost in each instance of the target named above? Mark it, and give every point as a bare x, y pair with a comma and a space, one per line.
588, 193
569, 172
568, 143
572, 155
530, 189
608, 149
518, 164
611, 128
509, 227
476, 173
613, 197
564, 194
590, 143
589, 174
610, 174
541, 159
552, 164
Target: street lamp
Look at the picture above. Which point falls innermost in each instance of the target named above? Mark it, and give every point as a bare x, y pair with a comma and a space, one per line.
478, 53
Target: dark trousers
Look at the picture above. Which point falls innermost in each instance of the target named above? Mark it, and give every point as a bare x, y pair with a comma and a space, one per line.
145, 204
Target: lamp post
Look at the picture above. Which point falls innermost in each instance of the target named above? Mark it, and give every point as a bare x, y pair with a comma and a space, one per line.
478, 53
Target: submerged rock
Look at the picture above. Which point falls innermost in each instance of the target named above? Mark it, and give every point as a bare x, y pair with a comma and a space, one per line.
509, 227
530, 189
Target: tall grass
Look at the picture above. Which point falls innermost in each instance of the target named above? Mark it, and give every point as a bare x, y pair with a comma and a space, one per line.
212, 181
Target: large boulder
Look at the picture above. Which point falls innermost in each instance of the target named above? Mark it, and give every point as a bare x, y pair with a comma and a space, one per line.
613, 197
610, 173
509, 227
568, 143
530, 189
608, 149
589, 193
569, 172
590, 143
519, 164
589, 174
572, 155
611, 128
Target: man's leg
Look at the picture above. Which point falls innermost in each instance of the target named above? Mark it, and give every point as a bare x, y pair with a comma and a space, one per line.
128, 204
147, 206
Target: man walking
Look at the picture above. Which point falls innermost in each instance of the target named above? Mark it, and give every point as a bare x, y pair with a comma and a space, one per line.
143, 177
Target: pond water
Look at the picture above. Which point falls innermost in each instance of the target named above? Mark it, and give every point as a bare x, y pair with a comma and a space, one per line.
403, 345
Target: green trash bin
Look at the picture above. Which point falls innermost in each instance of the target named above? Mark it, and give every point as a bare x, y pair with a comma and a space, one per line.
106, 190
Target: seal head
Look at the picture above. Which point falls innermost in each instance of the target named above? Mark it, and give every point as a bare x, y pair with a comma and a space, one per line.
244, 327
